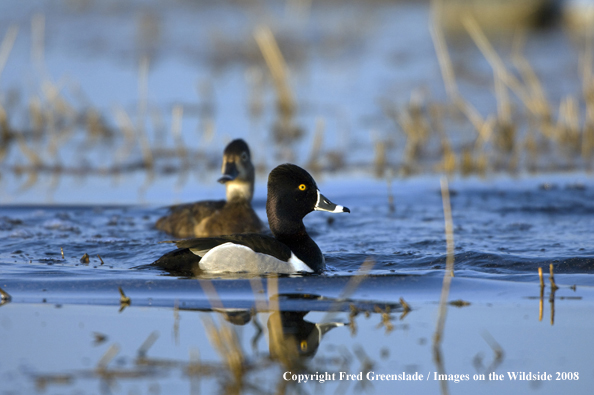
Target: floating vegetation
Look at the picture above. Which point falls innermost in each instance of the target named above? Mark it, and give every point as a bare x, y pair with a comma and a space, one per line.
459, 303
4, 297
99, 338
124, 300
554, 286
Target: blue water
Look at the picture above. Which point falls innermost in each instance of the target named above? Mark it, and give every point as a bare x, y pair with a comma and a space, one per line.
504, 228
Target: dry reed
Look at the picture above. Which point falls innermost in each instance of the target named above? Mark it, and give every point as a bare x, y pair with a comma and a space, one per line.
449, 269
4, 296
447, 279
278, 69
7, 44
124, 300
541, 299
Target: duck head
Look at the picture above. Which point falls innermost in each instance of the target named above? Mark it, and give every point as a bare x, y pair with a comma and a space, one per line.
238, 171
292, 194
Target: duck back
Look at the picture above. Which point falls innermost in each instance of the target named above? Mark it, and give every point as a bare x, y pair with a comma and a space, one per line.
210, 218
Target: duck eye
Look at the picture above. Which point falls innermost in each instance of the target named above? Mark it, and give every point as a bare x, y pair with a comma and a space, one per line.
303, 342
302, 187
244, 156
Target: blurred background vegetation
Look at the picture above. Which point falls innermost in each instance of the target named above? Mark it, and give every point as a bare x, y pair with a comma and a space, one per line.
143, 91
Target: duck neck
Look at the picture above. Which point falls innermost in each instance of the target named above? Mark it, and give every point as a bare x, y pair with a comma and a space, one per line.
294, 236
238, 190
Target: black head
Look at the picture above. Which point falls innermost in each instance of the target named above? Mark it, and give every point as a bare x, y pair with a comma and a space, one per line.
293, 193
238, 171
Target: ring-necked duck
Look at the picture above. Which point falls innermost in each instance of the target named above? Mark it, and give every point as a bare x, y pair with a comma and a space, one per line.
220, 217
292, 194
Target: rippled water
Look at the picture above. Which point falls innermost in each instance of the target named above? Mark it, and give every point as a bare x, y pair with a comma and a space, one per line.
504, 228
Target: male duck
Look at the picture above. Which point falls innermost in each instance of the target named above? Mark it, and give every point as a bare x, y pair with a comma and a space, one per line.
292, 194
220, 217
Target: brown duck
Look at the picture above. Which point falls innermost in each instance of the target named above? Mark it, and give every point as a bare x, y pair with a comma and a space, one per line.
220, 217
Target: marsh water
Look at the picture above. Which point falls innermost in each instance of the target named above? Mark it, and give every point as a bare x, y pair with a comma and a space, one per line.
504, 231
70, 190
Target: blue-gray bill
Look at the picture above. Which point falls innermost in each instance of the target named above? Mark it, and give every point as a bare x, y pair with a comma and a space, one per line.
230, 173
323, 204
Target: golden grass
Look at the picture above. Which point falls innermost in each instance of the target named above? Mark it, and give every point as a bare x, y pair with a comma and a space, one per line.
278, 69
505, 139
542, 288
225, 341
447, 69
107, 357
124, 300
7, 44
447, 279
517, 135
449, 269
554, 286
314, 163
142, 138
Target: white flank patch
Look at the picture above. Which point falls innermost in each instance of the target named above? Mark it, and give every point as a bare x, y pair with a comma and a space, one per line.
231, 257
221, 249
298, 264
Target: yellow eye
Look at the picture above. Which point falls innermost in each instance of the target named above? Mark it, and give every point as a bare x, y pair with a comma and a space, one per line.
302, 187
303, 342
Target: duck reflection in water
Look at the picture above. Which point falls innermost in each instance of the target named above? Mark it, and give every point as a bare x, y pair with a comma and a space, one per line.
299, 335
290, 335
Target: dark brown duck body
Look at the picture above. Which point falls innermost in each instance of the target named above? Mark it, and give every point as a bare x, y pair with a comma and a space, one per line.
210, 218
220, 217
